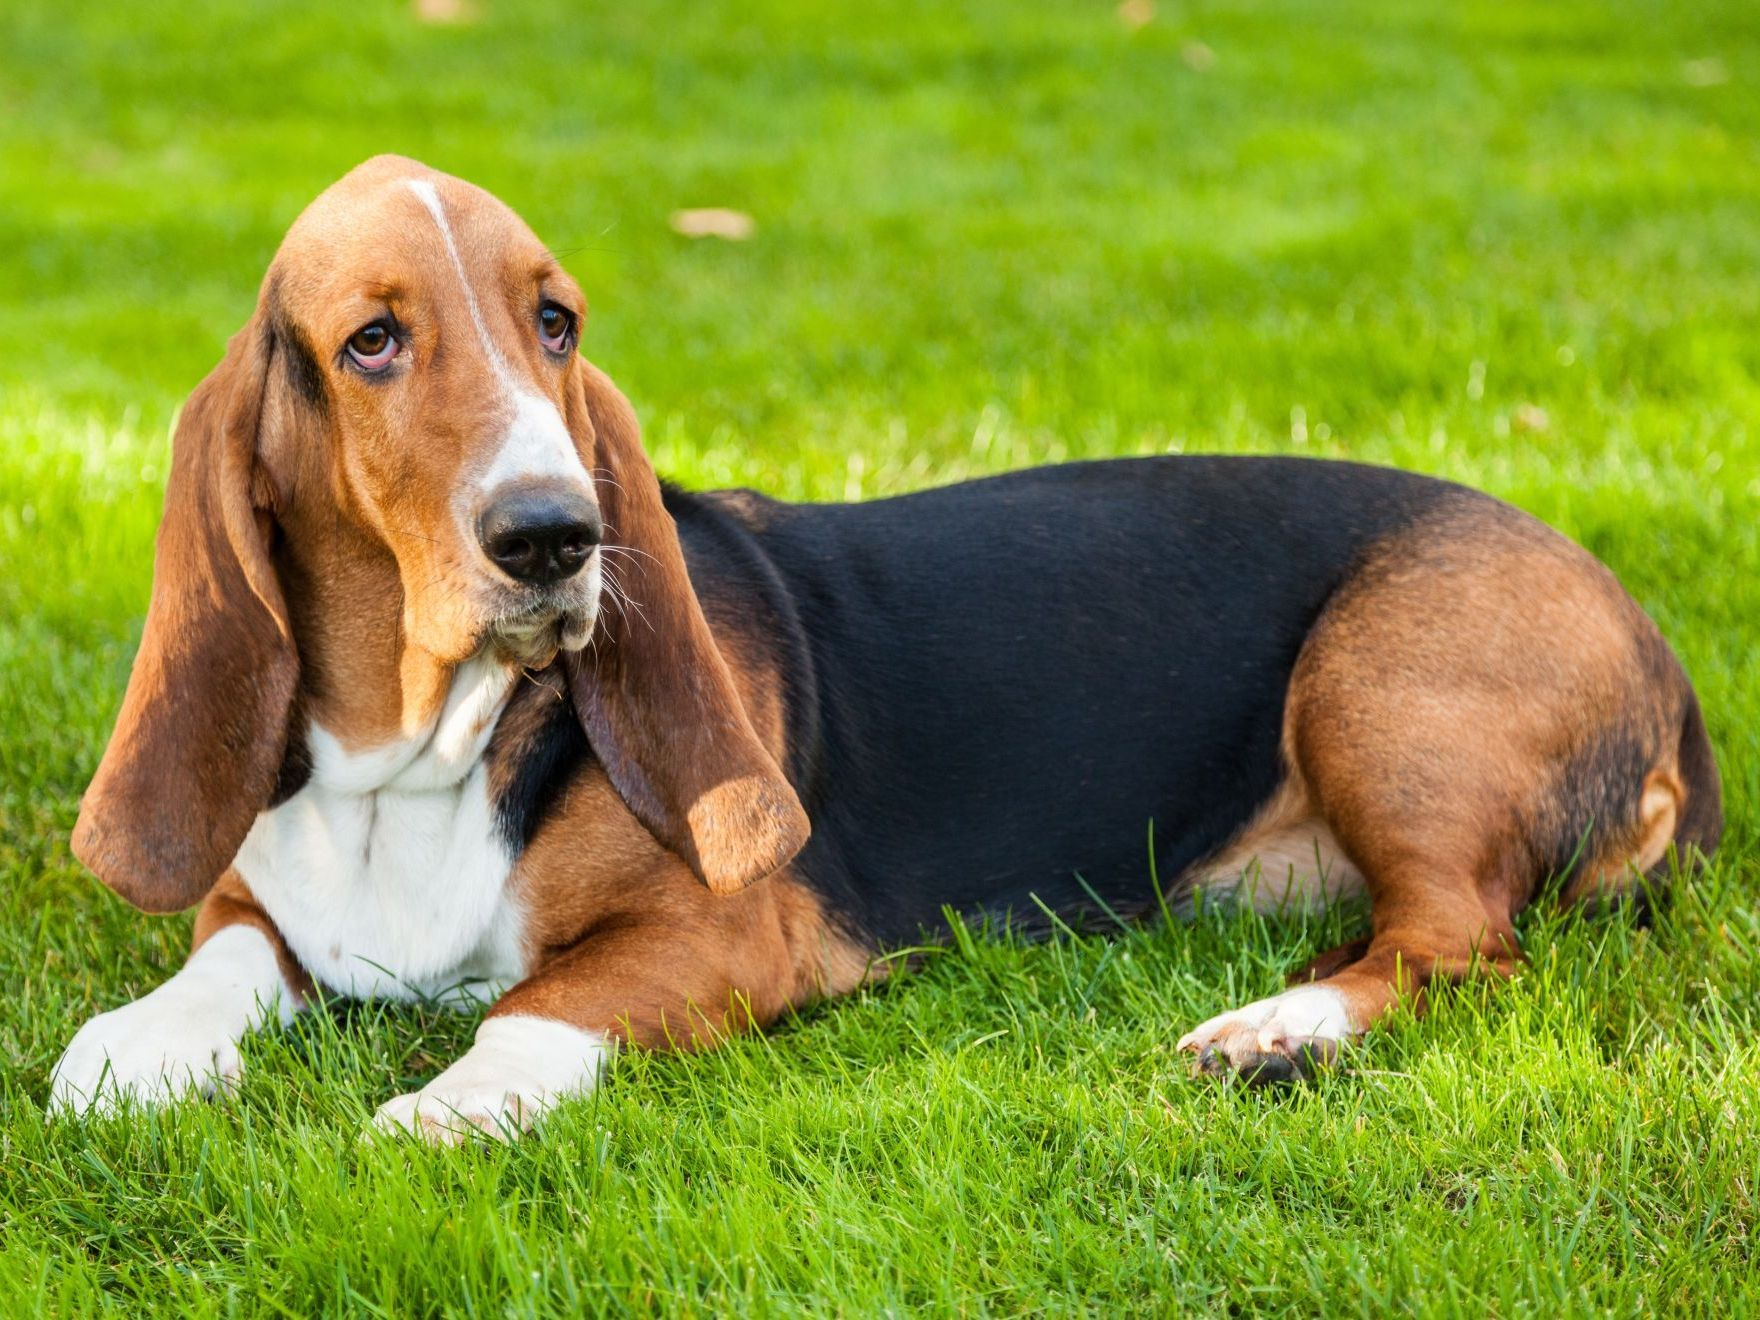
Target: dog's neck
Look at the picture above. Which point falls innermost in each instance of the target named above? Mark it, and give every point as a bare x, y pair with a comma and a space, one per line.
361, 679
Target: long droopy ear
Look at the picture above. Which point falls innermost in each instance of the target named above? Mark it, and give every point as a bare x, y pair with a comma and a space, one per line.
198, 745
654, 692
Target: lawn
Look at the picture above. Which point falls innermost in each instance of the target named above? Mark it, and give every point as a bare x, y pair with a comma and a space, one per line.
1513, 244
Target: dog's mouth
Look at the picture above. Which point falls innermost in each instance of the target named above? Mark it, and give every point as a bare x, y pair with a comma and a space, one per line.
532, 634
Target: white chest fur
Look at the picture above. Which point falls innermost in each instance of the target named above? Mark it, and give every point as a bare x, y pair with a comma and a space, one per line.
386, 874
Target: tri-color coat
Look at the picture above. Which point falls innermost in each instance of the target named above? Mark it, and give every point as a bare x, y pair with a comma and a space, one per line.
442, 693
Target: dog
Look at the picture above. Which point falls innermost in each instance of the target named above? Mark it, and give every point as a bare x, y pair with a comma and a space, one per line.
443, 694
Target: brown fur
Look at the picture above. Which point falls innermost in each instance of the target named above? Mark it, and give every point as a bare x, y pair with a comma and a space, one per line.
230, 903
623, 940
375, 568
1478, 708
655, 693
1480, 702
199, 742
1286, 856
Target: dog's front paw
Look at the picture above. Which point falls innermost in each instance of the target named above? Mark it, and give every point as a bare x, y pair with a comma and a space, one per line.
180, 1040
519, 1068
1281, 1039
447, 1113
148, 1052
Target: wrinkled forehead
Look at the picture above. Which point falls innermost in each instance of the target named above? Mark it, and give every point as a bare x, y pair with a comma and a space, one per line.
394, 229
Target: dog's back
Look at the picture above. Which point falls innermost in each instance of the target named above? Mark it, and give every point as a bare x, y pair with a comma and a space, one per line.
997, 686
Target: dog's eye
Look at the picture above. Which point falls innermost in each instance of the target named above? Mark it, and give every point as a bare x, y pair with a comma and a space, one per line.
555, 325
373, 346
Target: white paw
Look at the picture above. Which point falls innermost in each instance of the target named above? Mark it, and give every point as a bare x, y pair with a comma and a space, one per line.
181, 1039
519, 1068
449, 1114
149, 1052
1274, 1040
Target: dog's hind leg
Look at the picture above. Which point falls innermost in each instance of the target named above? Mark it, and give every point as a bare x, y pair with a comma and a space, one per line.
1479, 711
1434, 916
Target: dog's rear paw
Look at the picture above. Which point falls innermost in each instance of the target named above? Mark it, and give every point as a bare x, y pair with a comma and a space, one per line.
1285, 1038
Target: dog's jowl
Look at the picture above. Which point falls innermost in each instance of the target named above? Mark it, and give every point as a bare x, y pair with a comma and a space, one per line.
443, 693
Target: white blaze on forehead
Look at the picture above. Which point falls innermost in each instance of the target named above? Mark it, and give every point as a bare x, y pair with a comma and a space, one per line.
536, 442
430, 198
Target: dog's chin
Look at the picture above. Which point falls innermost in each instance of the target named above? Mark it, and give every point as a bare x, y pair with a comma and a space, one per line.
533, 640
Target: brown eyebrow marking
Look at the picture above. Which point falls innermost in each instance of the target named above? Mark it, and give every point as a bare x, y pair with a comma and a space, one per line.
547, 275
385, 291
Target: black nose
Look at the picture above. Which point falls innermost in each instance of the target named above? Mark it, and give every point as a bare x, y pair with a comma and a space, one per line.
540, 536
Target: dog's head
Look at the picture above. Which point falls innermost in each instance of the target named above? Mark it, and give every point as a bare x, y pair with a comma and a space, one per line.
410, 382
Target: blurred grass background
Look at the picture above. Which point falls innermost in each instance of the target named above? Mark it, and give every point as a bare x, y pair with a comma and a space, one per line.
1515, 245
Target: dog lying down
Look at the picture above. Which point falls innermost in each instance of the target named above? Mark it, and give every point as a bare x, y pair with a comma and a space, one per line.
440, 685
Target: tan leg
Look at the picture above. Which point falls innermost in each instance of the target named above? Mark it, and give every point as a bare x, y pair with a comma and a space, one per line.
1478, 701
682, 972
1426, 929
553, 1034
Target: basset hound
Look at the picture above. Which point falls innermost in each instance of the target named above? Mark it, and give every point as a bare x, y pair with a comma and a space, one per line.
443, 693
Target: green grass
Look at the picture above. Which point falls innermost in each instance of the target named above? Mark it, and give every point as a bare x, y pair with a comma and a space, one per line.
1515, 244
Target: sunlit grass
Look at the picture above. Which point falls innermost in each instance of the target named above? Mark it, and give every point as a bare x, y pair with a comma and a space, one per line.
1517, 246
